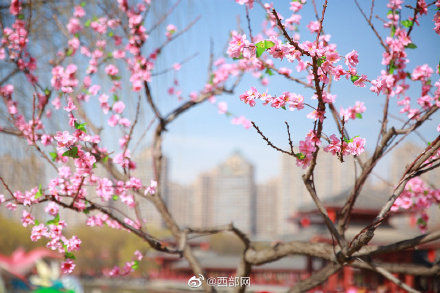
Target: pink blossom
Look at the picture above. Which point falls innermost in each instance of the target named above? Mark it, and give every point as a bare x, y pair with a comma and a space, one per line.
114, 119
38, 232
177, 66
15, 7
236, 45
79, 12
74, 25
27, 219
52, 209
243, 121
313, 26
222, 107
111, 70
422, 72
64, 139
67, 266
118, 107
356, 147
352, 58
152, 188
73, 244
171, 29
248, 3
11, 206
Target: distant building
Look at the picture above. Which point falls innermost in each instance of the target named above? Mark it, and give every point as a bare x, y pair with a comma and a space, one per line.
331, 177
145, 172
266, 211
227, 194
202, 201
403, 156
181, 204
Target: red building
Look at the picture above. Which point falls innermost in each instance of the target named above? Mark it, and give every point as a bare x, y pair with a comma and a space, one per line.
285, 272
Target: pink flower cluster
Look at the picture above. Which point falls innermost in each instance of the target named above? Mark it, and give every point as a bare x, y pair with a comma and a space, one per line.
288, 100
128, 268
353, 112
354, 146
437, 18
417, 196
64, 79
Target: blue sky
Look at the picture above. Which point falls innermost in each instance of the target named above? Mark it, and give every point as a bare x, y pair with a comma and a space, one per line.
201, 139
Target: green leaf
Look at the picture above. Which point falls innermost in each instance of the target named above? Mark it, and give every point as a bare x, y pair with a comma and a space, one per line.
53, 156
135, 265
39, 192
69, 255
359, 115
263, 46
283, 107
321, 60
393, 30
392, 67
73, 153
55, 221
260, 51
94, 166
421, 222
83, 4
269, 71
111, 34
115, 197
80, 126
69, 52
353, 78
411, 46
36, 222
20, 16
109, 55
268, 44
86, 211
115, 98
47, 92
87, 23
300, 156
407, 23
105, 159
115, 77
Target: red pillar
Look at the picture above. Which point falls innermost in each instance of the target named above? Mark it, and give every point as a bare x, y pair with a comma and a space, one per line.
348, 277
332, 282
393, 286
409, 280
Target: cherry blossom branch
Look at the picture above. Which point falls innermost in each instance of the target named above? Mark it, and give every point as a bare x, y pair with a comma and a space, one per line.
368, 20
9, 75
269, 143
324, 7
164, 17
286, 35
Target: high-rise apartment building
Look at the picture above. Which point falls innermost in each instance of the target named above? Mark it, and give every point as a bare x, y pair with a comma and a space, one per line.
331, 177
227, 194
266, 209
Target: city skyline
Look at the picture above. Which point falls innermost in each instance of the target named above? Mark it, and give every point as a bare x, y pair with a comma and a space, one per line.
228, 192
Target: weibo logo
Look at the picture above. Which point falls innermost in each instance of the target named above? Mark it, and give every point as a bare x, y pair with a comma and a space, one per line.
195, 282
